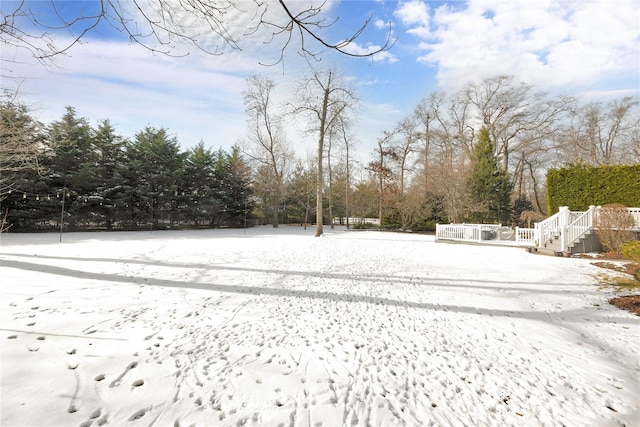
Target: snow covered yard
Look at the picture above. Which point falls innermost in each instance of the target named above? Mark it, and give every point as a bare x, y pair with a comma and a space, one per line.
276, 327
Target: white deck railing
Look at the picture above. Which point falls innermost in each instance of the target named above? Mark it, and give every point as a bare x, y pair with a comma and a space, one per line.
635, 213
526, 236
560, 230
485, 233
551, 228
470, 232
579, 227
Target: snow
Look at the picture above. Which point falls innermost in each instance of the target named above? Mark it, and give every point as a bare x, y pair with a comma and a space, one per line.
275, 327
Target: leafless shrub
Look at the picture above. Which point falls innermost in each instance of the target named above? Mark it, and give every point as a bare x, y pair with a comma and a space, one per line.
530, 216
614, 227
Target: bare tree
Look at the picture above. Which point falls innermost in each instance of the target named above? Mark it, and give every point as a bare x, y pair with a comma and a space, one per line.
338, 146
604, 134
425, 113
508, 112
266, 133
405, 148
409, 205
343, 127
383, 173
332, 136
451, 136
324, 97
160, 25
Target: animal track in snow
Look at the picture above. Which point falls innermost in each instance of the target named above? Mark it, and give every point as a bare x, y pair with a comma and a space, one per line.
117, 381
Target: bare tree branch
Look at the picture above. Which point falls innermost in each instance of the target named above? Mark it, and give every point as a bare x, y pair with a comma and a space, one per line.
161, 25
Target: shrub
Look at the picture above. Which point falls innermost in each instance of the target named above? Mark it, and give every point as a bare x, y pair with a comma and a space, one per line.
614, 227
631, 250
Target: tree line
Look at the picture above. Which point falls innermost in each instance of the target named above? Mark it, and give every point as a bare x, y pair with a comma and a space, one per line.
479, 154
82, 177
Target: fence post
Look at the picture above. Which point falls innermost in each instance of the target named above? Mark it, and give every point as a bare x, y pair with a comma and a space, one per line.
562, 223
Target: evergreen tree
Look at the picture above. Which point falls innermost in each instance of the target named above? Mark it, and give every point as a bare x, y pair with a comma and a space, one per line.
239, 199
70, 144
154, 169
197, 199
21, 138
70, 167
264, 194
109, 172
301, 194
520, 205
221, 190
488, 186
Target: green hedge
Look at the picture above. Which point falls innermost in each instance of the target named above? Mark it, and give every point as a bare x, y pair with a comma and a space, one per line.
580, 186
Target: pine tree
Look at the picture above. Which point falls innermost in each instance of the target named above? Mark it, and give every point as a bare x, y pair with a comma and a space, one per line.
489, 186
199, 200
109, 171
155, 166
239, 202
70, 167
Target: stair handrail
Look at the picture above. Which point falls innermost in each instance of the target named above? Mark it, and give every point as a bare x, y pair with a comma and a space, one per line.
579, 227
551, 228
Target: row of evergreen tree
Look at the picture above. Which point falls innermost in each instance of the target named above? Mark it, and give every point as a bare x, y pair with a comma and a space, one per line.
92, 178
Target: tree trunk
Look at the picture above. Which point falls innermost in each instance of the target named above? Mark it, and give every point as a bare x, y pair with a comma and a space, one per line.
319, 229
306, 212
346, 193
330, 193
276, 206
319, 184
381, 184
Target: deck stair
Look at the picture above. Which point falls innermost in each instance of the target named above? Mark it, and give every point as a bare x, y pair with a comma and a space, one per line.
569, 232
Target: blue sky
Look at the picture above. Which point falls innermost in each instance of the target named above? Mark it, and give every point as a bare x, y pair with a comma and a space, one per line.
587, 48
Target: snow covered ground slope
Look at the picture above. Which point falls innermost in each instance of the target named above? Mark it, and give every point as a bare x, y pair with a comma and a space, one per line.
276, 327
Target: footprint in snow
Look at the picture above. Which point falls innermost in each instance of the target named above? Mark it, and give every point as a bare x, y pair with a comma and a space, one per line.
117, 381
138, 414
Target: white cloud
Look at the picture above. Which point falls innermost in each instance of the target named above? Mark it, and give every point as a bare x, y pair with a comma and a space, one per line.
546, 43
196, 97
381, 25
414, 12
382, 56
